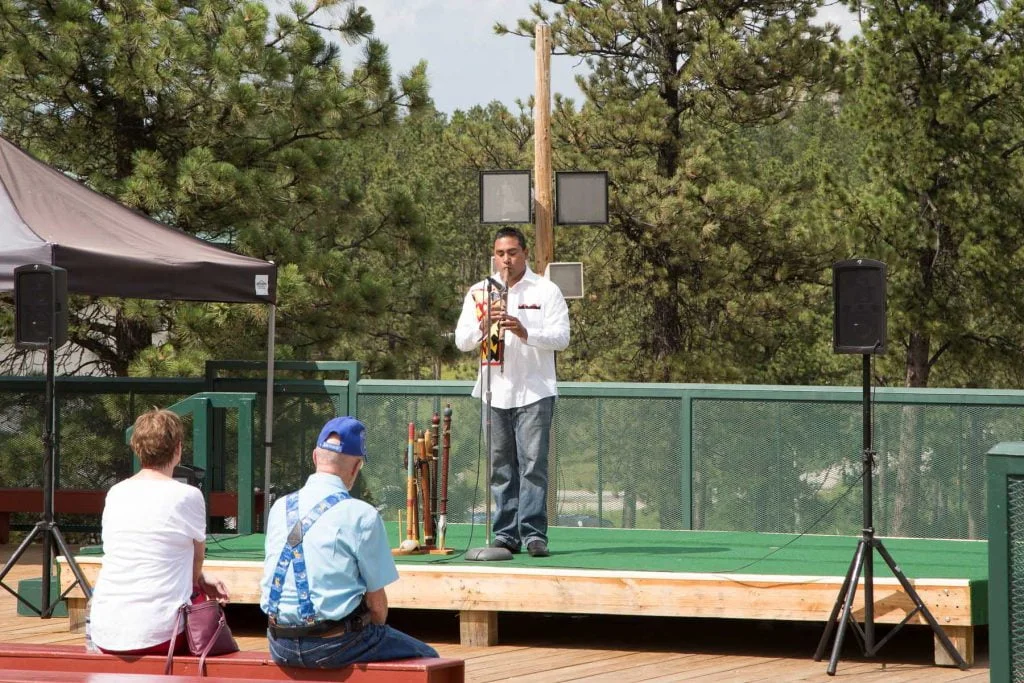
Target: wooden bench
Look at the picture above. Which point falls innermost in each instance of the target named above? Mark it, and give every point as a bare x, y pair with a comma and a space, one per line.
251, 666
90, 502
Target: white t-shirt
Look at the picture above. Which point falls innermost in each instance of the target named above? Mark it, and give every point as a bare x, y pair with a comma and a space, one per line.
149, 526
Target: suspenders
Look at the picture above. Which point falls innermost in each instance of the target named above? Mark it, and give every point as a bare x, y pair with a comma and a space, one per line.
292, 554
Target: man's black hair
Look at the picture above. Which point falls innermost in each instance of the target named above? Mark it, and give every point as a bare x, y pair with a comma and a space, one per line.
512, 232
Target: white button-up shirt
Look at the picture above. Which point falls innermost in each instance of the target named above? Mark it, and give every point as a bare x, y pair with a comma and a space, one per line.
529, 370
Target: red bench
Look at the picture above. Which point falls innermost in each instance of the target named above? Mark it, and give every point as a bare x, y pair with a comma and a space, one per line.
250, 666
90, 502
21, 676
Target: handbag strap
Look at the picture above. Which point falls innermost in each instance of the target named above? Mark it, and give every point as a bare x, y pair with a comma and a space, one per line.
221, 623
169, 666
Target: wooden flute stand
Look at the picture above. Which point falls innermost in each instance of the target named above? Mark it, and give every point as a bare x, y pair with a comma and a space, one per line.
422, 464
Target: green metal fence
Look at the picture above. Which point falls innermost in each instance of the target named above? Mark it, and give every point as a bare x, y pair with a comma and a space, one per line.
680, 456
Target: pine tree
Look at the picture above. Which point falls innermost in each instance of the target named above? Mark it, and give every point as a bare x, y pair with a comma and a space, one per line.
937, 103
698, 258
211, 116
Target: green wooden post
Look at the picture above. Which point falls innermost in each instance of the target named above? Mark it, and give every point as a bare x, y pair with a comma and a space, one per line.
1005, 474
600, 462
686, 400
245, 463
201, 411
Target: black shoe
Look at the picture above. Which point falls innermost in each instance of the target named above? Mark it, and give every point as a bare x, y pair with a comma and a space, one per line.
507, 545
537, 549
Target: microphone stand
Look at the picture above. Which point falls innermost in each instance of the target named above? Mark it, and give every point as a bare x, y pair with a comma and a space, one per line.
487, 553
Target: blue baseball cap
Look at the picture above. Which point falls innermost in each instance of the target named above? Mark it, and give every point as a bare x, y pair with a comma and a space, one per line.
350, 431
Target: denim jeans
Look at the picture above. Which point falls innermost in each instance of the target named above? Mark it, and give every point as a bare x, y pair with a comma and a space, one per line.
519, 471
373, 644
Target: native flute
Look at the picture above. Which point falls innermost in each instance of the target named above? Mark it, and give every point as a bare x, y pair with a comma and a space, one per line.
411, 532
446, 447
435, 449
423, 447
504, 312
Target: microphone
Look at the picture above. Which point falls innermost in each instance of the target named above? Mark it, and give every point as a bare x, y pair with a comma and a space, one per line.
494, 283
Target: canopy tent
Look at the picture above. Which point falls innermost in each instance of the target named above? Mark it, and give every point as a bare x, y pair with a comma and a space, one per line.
110, 250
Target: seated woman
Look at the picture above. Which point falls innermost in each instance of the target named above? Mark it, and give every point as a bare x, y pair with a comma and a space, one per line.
154, 540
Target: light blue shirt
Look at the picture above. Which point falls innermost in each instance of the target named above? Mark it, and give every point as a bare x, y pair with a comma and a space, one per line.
346, 550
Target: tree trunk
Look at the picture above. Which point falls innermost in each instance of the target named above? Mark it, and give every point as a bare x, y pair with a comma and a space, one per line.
131, 337
918, 365
668, 150
908, 470
629, 500
908, 460
629, 509
665, 336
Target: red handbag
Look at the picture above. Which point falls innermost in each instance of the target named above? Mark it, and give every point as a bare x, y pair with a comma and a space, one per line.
206, 631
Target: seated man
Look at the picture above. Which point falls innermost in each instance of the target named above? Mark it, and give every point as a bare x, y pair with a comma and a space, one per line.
327, 563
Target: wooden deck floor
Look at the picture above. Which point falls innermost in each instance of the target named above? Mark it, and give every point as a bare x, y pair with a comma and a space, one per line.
551, 649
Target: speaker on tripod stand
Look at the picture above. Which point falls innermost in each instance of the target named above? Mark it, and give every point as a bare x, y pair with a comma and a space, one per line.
859, 306
859, 326
41, 322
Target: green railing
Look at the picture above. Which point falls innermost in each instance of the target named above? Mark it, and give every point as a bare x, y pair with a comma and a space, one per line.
199, 407
755, 458
663, 456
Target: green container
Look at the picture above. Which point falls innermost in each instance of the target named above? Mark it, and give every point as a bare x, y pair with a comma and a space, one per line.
32, 590
1005, 468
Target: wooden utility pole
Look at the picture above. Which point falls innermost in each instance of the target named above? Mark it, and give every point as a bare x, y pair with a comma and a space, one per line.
544, 244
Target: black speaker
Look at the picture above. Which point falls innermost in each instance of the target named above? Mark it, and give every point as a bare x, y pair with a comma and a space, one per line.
40, 306
858, 291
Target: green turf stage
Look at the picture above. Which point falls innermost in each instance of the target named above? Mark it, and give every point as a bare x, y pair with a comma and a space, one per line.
691, 551
708, 552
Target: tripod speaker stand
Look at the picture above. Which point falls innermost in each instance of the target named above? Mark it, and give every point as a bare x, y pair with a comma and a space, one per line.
863, 561
859, 327
41, 323
47, 527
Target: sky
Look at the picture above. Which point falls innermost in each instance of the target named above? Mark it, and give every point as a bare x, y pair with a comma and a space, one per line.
467, 64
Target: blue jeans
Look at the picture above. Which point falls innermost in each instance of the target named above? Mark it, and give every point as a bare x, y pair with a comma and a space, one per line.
373, 644
519, 471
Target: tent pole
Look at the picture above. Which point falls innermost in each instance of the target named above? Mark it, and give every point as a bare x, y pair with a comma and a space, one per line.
268, 422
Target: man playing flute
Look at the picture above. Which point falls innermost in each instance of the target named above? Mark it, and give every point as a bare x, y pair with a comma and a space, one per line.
533, 321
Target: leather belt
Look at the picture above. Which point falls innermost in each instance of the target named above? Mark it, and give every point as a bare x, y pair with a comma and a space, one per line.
323, 629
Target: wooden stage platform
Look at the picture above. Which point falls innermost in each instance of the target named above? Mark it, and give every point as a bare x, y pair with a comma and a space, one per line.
560, 649
620, 572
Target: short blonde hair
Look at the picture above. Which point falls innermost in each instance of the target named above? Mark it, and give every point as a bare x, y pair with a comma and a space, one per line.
156, 436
